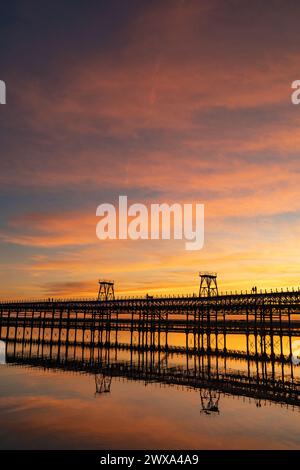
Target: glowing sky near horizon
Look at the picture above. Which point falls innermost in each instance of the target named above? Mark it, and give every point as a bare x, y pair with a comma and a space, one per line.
161, 101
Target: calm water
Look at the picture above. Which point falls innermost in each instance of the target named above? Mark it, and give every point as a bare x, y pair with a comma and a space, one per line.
58, 394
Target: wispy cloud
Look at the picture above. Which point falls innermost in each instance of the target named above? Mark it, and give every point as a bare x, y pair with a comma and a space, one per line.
166, 102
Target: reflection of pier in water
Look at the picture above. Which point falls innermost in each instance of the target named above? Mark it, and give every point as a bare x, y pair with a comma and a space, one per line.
261, 369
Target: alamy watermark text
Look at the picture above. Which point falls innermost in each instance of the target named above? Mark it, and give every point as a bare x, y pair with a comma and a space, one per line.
2, 92
161, 222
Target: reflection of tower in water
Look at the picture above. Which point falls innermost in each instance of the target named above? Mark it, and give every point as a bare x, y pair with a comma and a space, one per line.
103, 384
210, 401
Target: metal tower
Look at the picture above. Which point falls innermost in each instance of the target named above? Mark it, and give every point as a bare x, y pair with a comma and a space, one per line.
208, 284
106, 290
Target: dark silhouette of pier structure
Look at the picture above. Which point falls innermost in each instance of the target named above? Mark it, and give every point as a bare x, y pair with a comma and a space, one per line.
89, 335
276, 311
259, 312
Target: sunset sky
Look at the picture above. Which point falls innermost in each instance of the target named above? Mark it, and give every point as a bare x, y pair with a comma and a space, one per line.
163, 101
